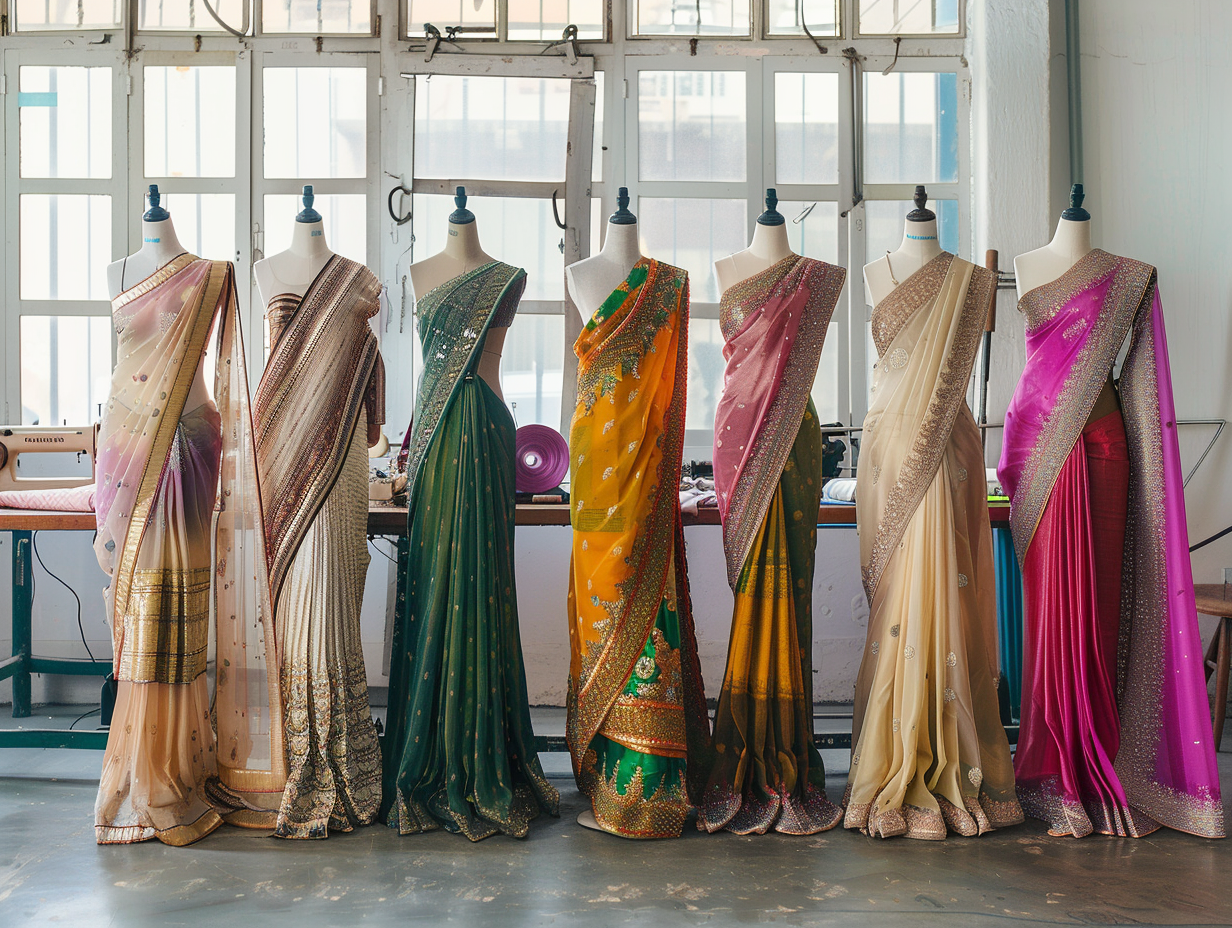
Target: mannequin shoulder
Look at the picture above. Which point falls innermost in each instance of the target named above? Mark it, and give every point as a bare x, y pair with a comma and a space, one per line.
878, 284
115, 277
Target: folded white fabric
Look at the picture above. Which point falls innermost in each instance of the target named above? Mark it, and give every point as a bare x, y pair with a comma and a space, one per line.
839, 490
72, 499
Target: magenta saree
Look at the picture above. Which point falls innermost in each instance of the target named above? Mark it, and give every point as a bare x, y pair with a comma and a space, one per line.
1116, 732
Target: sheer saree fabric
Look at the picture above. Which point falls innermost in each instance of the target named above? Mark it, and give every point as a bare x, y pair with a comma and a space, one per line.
929, 753
459, 750
321, 386
163, 472
767, 773
1116, 732
636, 725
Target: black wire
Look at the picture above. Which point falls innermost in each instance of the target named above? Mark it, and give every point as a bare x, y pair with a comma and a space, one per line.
80, 629
1215, 537
392, 560
82, 716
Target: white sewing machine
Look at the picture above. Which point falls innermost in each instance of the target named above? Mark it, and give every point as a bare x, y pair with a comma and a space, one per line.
18, 440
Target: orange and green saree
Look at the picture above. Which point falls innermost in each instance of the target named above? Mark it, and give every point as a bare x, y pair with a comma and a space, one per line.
637, 726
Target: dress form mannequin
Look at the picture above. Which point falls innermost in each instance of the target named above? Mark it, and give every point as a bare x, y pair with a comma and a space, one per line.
919, 246
1070, 244
294, 270
768, 247
461, 254
592, 280
159, 246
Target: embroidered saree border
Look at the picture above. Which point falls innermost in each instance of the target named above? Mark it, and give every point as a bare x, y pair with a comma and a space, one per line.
1130, 283
168, 420
605, 671
498, 283
320, 444
759, 478
932, 432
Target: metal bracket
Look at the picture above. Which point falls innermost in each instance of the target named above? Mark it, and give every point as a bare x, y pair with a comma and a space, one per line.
434, 40
569, 39
556, 212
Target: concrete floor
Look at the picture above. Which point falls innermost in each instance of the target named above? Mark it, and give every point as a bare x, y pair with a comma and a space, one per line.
51, 872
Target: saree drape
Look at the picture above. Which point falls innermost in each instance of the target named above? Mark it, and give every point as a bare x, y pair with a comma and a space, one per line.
929, 753
179, 534
322, 385
1116, 731
459, 747
767, 773
636, 726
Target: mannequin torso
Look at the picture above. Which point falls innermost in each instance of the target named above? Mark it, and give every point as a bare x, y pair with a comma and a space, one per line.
461, 254
293, 270
1035, 269
592, 280
919, 246
159, 246
768, 247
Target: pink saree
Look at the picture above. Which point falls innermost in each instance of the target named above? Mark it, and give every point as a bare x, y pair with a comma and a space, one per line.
1116, 731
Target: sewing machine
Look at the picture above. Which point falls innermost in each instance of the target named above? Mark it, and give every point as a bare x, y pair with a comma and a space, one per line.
18, 440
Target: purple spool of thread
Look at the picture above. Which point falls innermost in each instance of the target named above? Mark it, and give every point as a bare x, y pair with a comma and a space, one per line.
541, 458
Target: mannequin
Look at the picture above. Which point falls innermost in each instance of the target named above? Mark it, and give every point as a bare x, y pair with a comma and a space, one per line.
462, 253
159, 246
768, 247
919, 246
1070, 244
592, 280
294, 270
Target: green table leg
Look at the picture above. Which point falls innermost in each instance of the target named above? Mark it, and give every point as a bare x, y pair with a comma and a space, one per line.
23, 605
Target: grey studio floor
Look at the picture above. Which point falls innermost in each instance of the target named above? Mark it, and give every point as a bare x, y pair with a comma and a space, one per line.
51, 871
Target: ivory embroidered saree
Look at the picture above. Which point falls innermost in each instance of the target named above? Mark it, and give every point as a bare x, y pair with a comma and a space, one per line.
1116, 730
163, 469
929, 753
637, 728
322, 385
767, 773
459, 750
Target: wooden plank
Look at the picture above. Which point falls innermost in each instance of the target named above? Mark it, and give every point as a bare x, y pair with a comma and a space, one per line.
39, 520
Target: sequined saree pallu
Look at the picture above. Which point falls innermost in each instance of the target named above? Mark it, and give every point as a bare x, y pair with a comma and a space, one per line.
459, 751
321, 387
163, 469
929, 754
767, 773
636, 724
1116, 730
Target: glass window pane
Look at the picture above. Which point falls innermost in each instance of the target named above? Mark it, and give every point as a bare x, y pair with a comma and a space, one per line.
491, 128
786, 17
806, 128
190, 121
688, 17
705, 373
65, 368
908, 17
204, 223
317, 18
532, 368
65, 121
34, 15
884, 221
693, 234
545, 20
187, 16
813, 233
476, 15
910, 128
516, 230
691, 125
65, 246
344, 216
315, 122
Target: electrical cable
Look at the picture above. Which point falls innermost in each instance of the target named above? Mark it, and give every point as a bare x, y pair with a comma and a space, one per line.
392, 560
218, 19
81, 630
1207, 541
82, 716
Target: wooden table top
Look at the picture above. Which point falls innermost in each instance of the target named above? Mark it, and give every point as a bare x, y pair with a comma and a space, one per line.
1214, 598
391, 520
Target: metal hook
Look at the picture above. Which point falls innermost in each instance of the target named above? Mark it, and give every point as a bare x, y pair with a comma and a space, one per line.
400, 220
804, 215
555, 212
898, 41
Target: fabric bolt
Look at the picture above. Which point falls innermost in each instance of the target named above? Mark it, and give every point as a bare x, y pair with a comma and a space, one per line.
929, 754
1116, 731
459, 749
636, 724
320, 388
767, 773
162, 470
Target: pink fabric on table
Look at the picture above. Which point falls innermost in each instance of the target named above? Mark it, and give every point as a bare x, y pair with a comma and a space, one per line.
72, 499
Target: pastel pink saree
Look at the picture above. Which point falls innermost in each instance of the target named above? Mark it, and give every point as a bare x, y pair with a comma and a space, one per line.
1116, 731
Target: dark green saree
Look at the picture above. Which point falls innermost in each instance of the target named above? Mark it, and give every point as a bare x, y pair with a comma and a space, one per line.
459, 750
